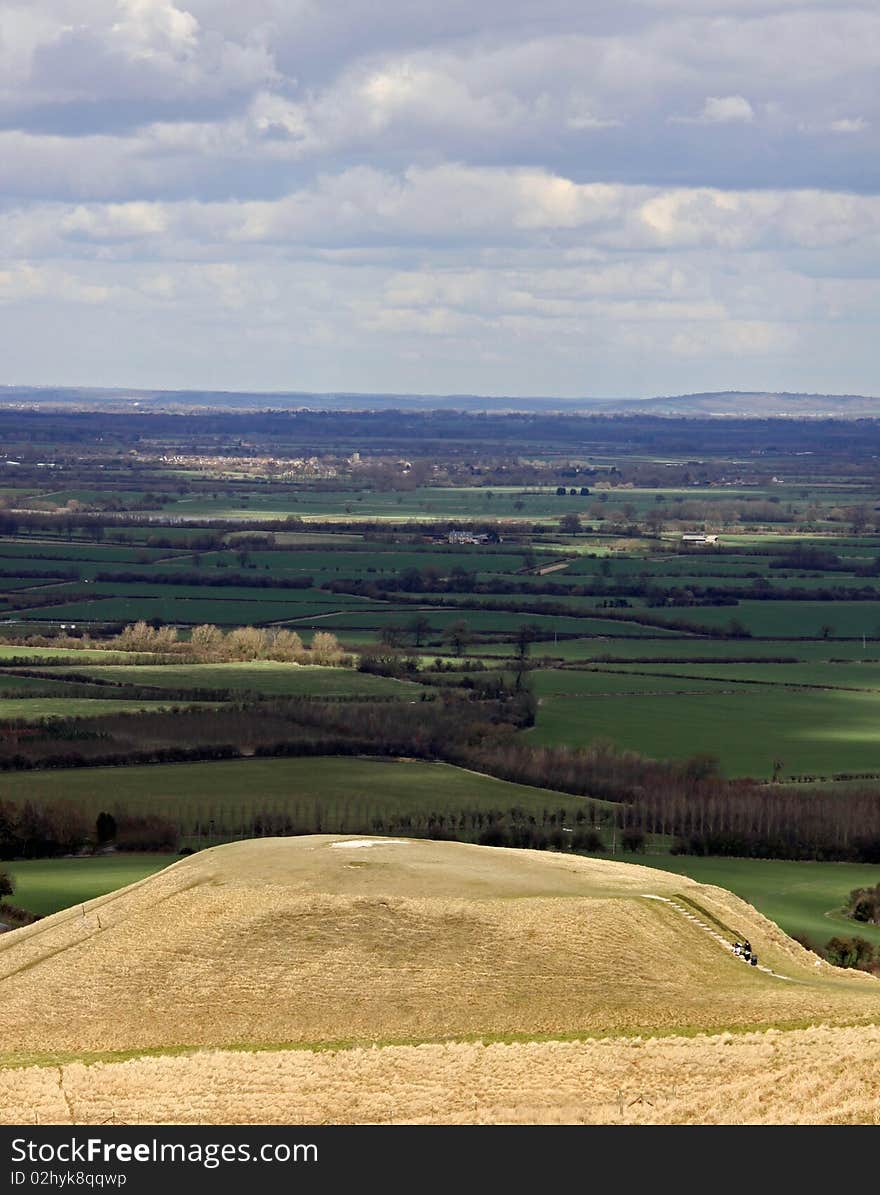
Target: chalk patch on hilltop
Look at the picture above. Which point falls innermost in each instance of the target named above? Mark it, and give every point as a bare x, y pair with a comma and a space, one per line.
372, 842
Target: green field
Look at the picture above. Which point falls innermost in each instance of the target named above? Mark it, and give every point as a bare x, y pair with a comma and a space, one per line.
813, 732
817, 714
13, 685
35, 709
692, 647
843, 675
265, 676
343, 791
846, 620
209, 606
75, 654
46, 885
559, 682
802, 898
489, 622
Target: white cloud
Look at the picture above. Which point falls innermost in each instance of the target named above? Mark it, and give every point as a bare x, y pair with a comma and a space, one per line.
721, 109
449, 207
726, 109
500, 196
151, 27
850, 124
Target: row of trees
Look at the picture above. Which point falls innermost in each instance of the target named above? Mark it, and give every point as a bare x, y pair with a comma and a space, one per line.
40, 829
209, 643
459, 581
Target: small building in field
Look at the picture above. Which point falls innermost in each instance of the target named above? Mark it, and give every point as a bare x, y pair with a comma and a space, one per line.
698, 539
474, 537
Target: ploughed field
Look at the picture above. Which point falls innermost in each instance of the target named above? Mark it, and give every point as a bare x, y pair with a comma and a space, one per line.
290, 946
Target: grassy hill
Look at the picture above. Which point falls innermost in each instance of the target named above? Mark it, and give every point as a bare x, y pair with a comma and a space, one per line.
329, 941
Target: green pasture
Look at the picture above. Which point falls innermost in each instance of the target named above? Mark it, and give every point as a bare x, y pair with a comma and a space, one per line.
337, 793
779, 620
35, 709
812, 732
367, 561
13, 685
12, 584
694, 648
86, 496
802, 898
478, 502
424, 503
244, 594
47, 550
46, 885
10, 651
174, 609
266, 677
553, 682
487, 622
852, 674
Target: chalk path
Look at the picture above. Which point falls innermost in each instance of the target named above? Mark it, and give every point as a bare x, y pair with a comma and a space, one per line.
713, 933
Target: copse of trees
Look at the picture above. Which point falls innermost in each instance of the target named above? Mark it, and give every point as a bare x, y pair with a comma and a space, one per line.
384, 659
864, 905
210, 644
855, 952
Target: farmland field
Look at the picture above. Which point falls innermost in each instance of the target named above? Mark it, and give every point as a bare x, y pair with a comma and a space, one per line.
685, 648
802, 898
34, 709
262, 676
199, 796
809, 731
856, 674
46, 885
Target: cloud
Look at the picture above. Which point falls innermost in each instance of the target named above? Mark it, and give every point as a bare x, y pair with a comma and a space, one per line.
501, 196
726, 109
721, 109
849, 124
142, 55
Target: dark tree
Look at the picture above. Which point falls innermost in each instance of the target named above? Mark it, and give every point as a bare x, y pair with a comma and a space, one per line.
105, 828
419, 627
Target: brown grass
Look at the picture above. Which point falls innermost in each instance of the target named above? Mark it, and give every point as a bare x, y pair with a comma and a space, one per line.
816, 1076
302, 941
298, 941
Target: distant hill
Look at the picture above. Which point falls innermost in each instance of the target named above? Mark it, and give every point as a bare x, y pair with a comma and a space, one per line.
726, 403
756, 404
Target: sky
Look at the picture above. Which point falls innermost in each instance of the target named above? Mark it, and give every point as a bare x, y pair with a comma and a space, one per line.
564, 197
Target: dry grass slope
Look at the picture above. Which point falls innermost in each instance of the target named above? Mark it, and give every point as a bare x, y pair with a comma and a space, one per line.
814, 1076
339, 941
